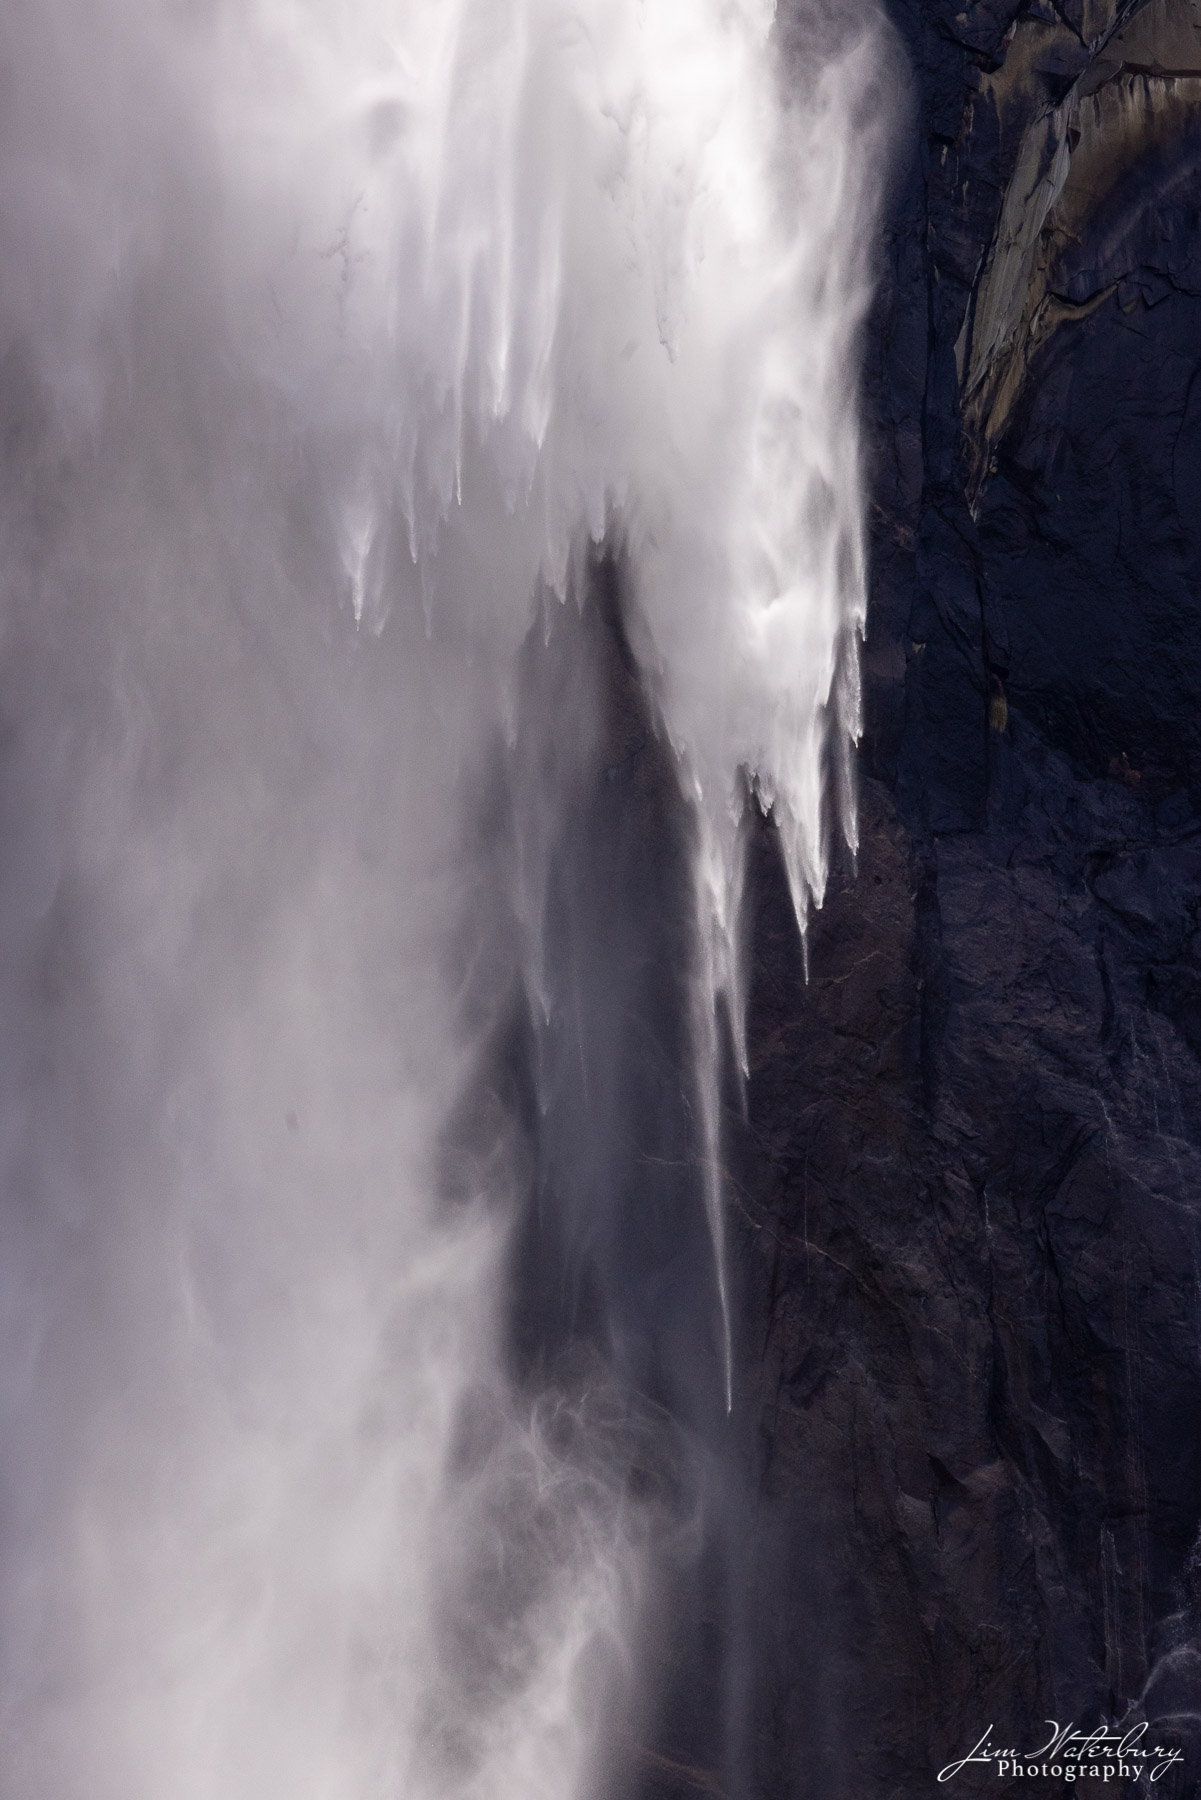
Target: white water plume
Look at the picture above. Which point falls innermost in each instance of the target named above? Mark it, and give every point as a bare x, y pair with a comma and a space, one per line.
328, 332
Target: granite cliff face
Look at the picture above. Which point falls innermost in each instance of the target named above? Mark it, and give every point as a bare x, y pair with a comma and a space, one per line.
960, 1488
966, 1189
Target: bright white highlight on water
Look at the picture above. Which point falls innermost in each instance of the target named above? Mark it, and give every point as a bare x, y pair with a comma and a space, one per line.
327, 333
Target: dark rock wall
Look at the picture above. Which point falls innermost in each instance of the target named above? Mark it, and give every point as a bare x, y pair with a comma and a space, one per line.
965, 1192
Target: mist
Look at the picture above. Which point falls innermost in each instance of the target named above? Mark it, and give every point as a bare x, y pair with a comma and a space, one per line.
400, 406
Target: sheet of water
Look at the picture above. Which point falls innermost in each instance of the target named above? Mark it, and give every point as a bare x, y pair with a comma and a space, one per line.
330, 336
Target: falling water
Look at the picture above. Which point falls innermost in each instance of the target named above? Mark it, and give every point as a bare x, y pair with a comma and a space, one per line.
341, 345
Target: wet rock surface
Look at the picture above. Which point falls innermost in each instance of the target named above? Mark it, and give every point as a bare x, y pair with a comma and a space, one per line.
965, 1190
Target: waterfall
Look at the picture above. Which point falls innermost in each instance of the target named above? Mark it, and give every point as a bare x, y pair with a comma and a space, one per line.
383, 384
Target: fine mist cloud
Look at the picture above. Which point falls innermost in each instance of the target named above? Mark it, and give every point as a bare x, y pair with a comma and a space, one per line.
330, 338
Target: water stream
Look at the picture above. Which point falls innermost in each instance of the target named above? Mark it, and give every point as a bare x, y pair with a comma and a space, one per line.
430, 511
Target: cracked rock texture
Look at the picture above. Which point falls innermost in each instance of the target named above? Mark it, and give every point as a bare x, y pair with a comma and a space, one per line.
965, 1193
